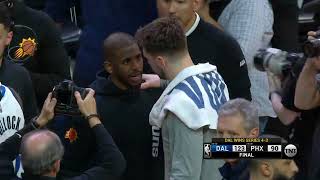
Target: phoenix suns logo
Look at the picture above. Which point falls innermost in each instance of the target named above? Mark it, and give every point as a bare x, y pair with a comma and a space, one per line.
27, 48
72, 135
24, 44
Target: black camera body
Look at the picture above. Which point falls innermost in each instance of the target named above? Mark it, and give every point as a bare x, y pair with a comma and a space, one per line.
276, 61
66, 101
311, 48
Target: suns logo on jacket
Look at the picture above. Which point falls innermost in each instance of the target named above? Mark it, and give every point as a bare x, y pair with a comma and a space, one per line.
72, 135
26, 48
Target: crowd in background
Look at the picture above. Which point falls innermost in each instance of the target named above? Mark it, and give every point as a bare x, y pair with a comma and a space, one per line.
163, 77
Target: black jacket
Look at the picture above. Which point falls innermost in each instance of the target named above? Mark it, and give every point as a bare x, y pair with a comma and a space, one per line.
109, 164
208, 44
18, 78
239, 171
125, 114
37, 45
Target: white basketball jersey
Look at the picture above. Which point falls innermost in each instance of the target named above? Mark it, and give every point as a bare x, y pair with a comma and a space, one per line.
11, 114
11, 121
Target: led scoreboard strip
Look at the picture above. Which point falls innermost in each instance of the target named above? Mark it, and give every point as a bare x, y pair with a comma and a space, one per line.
234, 148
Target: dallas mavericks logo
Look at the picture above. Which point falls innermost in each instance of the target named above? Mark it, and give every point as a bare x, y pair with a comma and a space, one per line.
213, 85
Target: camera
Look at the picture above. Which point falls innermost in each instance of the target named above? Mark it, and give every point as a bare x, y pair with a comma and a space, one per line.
276, 61
311, 48
66, 102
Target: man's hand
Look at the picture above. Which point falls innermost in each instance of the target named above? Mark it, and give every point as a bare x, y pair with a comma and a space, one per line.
47, 112
87, 106
313, 64
313, 34
274, 82
150, 81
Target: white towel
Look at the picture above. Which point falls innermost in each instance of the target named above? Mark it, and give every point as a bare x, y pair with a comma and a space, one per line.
194, 96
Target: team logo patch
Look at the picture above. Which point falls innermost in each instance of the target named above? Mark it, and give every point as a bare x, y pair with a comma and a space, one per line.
26, 48
72, 135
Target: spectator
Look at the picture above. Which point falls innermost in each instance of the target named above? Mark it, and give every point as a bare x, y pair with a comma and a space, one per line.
208, 44
100, 19
137, 140
37, 46
19, 96
272, 169
42, 150
13, 75
238, 118
250, 23
301, 124
307, 97
187, 109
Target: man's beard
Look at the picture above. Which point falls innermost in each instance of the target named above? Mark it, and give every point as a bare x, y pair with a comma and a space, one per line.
278, 176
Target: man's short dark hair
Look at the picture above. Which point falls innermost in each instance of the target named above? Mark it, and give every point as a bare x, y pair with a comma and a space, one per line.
5, 16
116, 41
255, 163
162, 36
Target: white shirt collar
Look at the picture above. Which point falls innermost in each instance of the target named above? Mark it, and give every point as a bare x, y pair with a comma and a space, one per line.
194, 26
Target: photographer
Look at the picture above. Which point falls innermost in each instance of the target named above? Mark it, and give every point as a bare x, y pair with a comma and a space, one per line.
284, 69
307, 97
299, 124
42, 150
307, 94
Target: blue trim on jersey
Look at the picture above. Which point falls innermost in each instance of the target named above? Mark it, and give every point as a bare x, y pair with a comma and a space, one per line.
2, 91
18, 163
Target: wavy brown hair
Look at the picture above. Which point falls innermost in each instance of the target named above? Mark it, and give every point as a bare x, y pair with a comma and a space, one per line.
163, 36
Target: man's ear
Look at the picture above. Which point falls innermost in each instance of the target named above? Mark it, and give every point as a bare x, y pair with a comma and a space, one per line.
161, 61
56, 166
9, 38
108, 66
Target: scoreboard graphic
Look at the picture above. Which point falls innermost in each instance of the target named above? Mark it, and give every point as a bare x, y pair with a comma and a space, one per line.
260, 148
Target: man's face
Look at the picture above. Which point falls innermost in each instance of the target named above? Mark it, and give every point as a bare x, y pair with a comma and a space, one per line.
154, 64
5, 39
233, 127
127, 66
284, 169
183, 9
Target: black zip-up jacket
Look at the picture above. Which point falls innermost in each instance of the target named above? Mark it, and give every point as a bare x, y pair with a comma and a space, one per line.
109, 165
37, 45
125, 114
